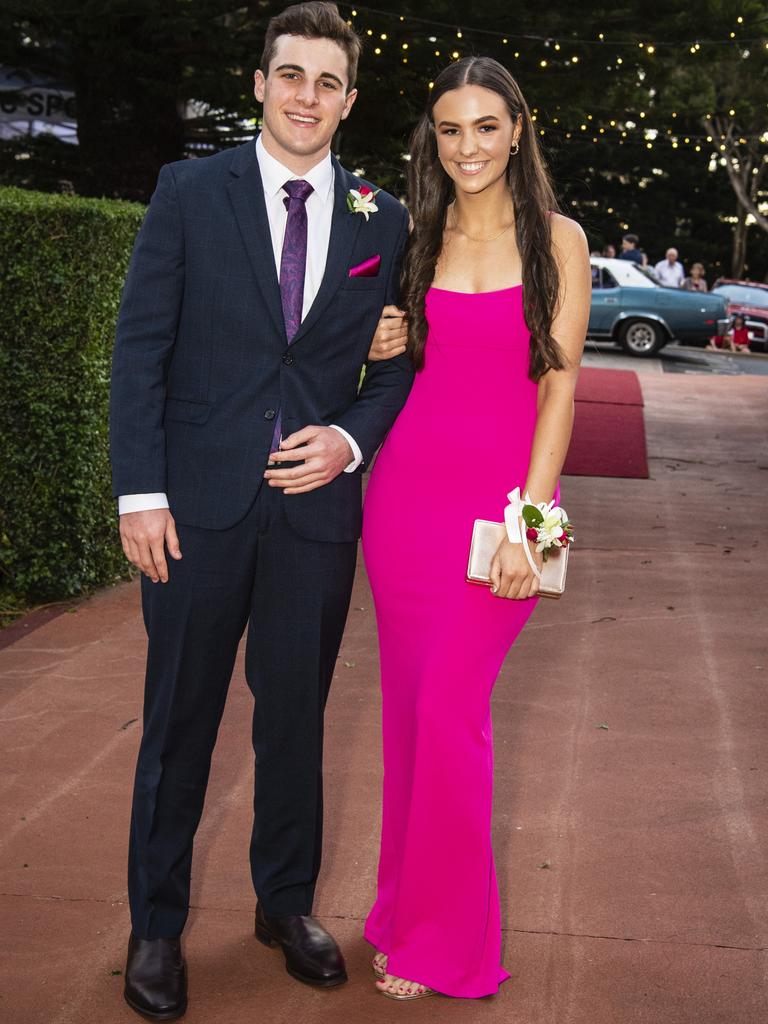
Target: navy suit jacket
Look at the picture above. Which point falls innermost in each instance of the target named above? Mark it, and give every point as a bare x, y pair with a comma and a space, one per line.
201, 361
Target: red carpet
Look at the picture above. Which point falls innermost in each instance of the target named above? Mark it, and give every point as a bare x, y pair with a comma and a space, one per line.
608, 430
618, 387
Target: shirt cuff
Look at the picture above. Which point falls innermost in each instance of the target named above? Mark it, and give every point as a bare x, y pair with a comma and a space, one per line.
141, 502
358, 455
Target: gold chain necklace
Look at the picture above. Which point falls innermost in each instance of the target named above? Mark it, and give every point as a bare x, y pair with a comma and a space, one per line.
470, 237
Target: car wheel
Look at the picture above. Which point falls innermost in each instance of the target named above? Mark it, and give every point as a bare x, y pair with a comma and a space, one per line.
642, 337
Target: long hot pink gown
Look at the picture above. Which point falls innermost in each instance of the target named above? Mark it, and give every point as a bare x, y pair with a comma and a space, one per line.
462, 442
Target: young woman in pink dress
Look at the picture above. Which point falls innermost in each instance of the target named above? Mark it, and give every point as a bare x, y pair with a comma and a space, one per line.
496, 288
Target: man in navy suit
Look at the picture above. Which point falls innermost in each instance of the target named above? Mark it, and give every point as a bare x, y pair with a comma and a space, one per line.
239, 434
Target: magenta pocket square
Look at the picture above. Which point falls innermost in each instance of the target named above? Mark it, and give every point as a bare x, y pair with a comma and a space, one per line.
368, 268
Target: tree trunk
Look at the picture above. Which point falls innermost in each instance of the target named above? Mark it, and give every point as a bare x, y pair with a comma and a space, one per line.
739, 250
739, 168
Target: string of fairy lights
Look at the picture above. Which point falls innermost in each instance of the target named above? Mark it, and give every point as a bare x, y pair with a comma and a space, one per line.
693, 45
451, 41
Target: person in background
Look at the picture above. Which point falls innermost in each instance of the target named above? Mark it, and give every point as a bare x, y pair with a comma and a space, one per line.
735, 340
738, 336
695, 282
609, 251
629, 249
669, 271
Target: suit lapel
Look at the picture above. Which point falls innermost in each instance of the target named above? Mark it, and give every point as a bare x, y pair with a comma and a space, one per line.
344, 230
246, 193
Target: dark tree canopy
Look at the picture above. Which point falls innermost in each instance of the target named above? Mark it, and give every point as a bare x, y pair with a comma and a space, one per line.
617, 94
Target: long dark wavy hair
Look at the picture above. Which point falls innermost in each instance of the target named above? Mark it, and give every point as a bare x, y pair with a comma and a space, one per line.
430, 190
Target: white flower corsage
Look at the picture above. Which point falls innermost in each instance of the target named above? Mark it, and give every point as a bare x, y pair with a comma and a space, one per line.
362, 200
546, 523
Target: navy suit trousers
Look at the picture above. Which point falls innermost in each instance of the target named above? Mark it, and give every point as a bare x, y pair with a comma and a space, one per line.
293, 595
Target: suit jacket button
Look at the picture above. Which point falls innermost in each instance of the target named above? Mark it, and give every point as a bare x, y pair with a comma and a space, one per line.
288, 359
270, 414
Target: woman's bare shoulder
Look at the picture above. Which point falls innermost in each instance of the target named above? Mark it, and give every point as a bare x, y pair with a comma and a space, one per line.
567, 233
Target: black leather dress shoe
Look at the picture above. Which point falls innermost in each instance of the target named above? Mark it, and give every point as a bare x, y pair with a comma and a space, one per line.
311, 954
156, 978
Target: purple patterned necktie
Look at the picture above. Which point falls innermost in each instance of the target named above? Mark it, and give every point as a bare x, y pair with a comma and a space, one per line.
293, 267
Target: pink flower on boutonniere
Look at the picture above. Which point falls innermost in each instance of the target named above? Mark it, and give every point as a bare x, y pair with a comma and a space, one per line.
362, 200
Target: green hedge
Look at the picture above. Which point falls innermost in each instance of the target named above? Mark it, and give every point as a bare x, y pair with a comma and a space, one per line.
62, 264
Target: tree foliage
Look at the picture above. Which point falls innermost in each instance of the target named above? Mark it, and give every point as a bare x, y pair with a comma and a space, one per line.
612, 93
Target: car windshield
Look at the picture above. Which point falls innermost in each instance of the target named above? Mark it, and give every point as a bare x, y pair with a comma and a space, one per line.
646, 272
743, 294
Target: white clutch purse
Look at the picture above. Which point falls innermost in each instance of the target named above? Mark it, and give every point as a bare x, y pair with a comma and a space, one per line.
486, 537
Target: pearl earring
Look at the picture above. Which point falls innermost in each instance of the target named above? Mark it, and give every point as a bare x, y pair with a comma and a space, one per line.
515, 148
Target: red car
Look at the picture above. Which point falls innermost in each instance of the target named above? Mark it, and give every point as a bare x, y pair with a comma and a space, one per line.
750, 300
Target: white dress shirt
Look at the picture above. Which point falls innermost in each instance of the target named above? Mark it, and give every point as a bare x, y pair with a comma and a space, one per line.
670, 274
319, 216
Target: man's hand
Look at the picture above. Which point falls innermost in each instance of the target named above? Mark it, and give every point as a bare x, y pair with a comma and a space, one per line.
511, 575
145, 536
391, 335
325, 453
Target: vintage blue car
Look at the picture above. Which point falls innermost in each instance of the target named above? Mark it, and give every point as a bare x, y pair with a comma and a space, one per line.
631, 308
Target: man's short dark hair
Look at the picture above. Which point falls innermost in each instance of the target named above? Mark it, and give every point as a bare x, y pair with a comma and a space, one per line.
632, 239
314, 20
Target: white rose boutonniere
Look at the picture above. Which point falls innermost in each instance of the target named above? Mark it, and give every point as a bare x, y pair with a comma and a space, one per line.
362, 200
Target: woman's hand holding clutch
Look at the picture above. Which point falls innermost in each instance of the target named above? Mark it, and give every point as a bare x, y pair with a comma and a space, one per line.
525, 555
511, 575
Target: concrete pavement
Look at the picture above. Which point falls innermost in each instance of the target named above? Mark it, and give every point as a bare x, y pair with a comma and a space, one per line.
630, 723
675, 358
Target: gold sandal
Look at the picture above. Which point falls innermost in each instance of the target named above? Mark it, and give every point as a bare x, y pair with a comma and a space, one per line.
411, 997
379, 971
